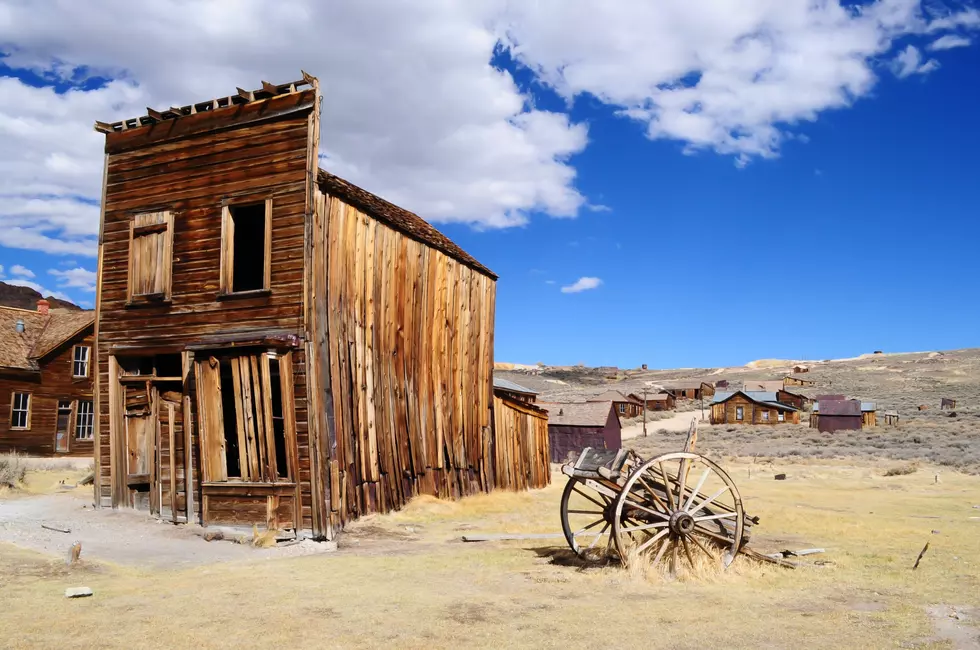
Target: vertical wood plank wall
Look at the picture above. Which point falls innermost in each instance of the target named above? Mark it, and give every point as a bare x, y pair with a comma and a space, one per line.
411, 360
521, 450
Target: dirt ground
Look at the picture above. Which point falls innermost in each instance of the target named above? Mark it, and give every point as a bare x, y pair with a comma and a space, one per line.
405, 579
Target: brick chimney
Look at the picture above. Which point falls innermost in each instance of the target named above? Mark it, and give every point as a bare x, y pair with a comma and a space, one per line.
43, 306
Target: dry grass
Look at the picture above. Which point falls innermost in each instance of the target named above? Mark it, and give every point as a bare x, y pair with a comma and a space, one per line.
405, 579
13, 471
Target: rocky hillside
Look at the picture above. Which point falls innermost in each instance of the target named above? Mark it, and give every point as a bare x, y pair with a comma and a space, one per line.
26, 298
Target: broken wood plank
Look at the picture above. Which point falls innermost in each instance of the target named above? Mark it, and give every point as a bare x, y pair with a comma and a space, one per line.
56, 529
510, 536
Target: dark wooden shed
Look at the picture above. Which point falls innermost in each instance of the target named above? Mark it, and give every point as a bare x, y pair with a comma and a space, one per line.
836, 415
574, 426
626, 406
795, 400
662, 401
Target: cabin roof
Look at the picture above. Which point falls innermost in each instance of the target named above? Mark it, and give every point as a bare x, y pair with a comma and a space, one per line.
759, 397
578, 414
837, 407
686, 384
506, 384
42, 334
400, 219
662, 396
613, 396
868, 406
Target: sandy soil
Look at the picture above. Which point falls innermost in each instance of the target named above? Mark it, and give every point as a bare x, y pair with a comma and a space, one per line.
120, 536
678, 422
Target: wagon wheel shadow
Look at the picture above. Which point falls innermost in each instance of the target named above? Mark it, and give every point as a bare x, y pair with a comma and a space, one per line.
564, 556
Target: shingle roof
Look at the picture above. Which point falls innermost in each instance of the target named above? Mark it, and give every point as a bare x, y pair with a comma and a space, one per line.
41, 334
400, 219
613, 396
505, 384
578, 414
837, 407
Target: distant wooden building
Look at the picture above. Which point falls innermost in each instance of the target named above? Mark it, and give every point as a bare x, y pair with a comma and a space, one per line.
797, 401
836, 415
768, 386
574, 426
514, 391
722, 383
46, 375
797, 381
626, 407
799, 370
891, 418
662, 401
520, 442
946, 403
751, 408
693, 389
277, 346
869, 414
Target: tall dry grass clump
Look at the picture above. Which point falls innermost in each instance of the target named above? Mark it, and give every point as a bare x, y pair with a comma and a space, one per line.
13, 470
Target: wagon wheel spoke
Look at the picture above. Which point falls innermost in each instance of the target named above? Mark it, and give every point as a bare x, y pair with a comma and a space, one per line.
704, 548
659, 524
645, 509
589, 527
687, 552
585, 517
599, 536
583, 494
697, 489
724, 515
653, 494
663, 549
667, 489
681, 480
703, 504
673, 558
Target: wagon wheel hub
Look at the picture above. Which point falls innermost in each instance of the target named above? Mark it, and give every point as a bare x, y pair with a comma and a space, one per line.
681, 523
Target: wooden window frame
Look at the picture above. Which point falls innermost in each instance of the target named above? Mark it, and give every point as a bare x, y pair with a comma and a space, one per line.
780, 417
765, 416
739, 413
91, 424
166, 227
30, 403
227, 274
68, 430
88, 361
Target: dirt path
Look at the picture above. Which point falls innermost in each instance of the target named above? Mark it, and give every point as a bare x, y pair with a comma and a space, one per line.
678, 422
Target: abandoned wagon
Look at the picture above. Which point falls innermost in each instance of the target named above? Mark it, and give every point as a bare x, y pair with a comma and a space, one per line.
573, 426
46, 381
277, 346
751, 407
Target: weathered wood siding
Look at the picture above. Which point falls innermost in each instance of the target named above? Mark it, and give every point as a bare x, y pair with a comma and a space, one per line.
520, 444
53, 384
410, 363
191, 167
564, 440
869, 419
752, 413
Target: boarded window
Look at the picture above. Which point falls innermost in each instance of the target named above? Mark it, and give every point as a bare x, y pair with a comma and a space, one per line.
246, 410
84, 420
150, 256
246, 247
20, 411
739, 412
80, 358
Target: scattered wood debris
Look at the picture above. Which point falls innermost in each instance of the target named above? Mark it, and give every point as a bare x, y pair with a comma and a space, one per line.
78, 592
919, 559
57, 529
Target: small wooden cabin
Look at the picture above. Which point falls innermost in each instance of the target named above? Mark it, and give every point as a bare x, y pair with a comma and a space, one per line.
797, 401
277, 346
662, 401
576, 425
799, 370
744, 408
869, 417
891, 418
947, 403
514, 391
626, 407
693, 389
789, 380
46, 373
836, 415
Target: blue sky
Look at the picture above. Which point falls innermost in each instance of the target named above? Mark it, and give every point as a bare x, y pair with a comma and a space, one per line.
793, 180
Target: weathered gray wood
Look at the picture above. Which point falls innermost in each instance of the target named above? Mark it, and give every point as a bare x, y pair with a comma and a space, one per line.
78, 592
509, 536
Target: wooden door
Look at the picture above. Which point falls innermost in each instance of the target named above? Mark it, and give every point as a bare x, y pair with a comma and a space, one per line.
168, 459
142, 431
63, 427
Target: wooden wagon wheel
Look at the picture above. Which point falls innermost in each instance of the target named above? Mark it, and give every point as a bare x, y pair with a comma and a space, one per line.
586, 509
677, 506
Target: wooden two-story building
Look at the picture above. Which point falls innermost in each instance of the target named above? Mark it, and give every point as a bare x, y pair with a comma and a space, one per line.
46, 374
277, 346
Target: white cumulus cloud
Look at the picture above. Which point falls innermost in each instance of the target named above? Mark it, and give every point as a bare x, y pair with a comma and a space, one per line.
910, 62
582, 284
77, 278
21, 271
948, 42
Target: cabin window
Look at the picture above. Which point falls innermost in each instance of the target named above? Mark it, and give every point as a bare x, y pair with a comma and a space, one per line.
622, 408
780, 417
151, 236
246, 403
20, 411
84, 420
246, 247
80, 357
739, 413
765, 416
